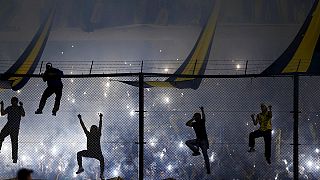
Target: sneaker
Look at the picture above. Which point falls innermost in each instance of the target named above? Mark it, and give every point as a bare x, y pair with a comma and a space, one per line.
268, 160
251, 150
196, 154
80, 170
54, 113
38, 111
15, 160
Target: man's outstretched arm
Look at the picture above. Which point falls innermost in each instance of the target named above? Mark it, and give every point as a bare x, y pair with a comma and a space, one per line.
82, 125
100, 122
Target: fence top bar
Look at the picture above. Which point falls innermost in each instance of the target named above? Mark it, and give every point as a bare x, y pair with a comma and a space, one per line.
157, 75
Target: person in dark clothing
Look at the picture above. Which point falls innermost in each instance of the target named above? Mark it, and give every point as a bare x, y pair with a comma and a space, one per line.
199, 126
12, 127
53, 78
264, 119
24, 174
93, 146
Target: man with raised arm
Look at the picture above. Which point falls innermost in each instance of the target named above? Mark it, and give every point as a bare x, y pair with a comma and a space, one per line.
264, 120
53, 78
93, 146
199, 126
15, 112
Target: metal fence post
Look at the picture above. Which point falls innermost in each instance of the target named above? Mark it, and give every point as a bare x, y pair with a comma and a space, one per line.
141, 124
296, 127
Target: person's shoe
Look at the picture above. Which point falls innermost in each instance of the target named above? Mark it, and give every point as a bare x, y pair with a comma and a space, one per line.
80, 170
38, 111
268, 160
251, 150
196, 154
101, 176
54, 113
15, 160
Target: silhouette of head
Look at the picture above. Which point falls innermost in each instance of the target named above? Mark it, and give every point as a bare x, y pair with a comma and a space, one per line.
48, 66
197, 116
14, 101
264, 108
94, 129
24, 174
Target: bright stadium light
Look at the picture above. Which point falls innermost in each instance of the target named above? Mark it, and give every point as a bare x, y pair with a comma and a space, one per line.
169, 167
317, 150
238, 66
131, 113
166, 69
309, 163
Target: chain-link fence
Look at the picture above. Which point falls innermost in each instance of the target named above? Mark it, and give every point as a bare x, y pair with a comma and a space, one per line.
49, 144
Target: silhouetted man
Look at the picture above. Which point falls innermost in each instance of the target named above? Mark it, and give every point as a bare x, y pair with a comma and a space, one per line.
264, 119
53, 78
93, 146
12, 127
199, 126
24, 174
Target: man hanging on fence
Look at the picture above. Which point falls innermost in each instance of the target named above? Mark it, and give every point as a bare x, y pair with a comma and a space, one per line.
93, 146
15, 112
199, 126
53, 78
264, 119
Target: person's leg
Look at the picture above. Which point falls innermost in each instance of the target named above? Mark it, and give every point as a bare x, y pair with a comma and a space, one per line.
194, 146
14, 143
204, 148
253, 135
46, 94
81, 154
58, 93
267, 144
3, 134
101, 159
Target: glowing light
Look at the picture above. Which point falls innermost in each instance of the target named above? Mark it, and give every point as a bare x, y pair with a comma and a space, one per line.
73, 100
72, 46
71, 80
54, 150
160, 50
148, 89
317, 167
62, 52
153, 142
23, 157
105, 94
317, 150
161, 155
166, 99
238, 66
60, 168
18, 91
84, 93
166, 69
108, 84
285, 161
132, 113
247, 124
272, 132
71, 72
177, 59
128, 106
287, 168
41, 157
212, 157
181, 144
254, 165
309, 163
125, 62
115, 172
169, 167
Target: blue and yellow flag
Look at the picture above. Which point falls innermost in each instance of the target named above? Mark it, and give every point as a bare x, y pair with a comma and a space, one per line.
28, 61
303, 54
195, 63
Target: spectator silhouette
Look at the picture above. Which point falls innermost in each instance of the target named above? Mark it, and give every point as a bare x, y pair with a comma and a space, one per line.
24, 174
15, 112
93, 146
53, 78
199, 126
